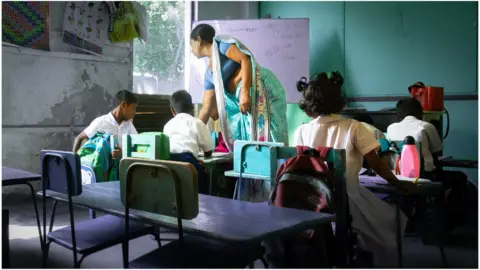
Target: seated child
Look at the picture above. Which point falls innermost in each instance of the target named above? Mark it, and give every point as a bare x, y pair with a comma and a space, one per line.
373, 220
118, 122
410, 113
188, 135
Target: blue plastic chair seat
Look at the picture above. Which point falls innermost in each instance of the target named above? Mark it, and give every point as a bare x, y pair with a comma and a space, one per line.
96, 234
200, 253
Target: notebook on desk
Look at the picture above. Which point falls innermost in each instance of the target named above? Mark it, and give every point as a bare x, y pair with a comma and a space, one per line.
380, 181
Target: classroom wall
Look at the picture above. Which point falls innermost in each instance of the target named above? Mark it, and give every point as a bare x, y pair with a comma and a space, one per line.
382, 47
49, 97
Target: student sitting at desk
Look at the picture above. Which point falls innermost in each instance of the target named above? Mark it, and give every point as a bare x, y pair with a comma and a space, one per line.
374, 221
188, 135
410, 113
117, 122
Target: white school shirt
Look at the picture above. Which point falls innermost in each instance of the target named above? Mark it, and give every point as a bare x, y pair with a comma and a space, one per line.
107, 124
373, 219
422, 132
376, 132
188, 134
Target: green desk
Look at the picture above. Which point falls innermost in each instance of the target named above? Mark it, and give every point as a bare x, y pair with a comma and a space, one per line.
211, 163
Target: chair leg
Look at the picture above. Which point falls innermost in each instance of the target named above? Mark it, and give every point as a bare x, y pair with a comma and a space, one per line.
265, 264
444, 257
92, 214
80, 261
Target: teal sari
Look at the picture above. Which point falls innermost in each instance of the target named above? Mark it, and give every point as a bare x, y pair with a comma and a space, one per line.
266, 122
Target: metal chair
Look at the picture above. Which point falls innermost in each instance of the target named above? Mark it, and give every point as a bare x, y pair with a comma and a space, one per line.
170, 188
61, 173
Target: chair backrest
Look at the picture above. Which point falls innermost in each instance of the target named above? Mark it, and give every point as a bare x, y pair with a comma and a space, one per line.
158, 186
61, 172
336, 159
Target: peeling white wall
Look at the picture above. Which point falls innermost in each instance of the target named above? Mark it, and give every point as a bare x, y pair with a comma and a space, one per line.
49, 97
47, 100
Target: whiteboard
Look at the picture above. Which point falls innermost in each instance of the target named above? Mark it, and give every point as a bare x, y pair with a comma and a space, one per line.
281, 45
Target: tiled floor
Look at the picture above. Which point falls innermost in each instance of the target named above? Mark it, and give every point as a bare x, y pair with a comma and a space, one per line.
25, 245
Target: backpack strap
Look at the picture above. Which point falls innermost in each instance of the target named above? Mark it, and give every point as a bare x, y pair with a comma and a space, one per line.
323, 151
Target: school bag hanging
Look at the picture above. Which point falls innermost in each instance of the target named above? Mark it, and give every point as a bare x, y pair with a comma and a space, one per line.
96, 155
305, 182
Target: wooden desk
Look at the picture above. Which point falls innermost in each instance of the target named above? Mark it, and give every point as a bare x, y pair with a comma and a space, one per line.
219, 218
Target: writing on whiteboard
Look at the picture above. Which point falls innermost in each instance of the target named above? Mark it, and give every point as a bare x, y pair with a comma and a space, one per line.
247, 30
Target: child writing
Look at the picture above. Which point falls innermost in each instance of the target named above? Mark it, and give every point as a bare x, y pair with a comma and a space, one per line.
410, 115
188, 135
118, 122
372, 219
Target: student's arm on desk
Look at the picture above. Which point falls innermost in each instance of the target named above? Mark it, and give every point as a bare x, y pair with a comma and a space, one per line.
384, 171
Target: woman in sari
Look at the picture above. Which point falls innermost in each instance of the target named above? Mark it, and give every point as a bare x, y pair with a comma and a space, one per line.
247, 99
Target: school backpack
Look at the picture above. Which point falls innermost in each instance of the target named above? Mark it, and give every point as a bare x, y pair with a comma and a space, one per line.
96, 153
304, 182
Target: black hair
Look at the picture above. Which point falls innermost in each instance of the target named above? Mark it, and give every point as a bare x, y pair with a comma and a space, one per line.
205, 32
322, 95
126, 96
409, 107
181, 102
365, 118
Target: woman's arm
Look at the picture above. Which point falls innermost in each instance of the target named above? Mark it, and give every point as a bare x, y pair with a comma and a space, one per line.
238, 56
209, 107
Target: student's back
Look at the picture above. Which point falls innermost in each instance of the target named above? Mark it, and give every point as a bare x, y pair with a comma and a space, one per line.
336, 132
188, 135
410, 113
372, 219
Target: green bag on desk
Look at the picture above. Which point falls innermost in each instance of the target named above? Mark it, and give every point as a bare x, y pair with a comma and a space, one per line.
96, 153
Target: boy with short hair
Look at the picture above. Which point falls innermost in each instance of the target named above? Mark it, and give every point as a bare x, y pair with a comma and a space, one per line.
118, 122
188, 135
410, 115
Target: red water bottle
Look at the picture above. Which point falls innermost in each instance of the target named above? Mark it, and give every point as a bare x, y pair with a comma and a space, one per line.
410, 159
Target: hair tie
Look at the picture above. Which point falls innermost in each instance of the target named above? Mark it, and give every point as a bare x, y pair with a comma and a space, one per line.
302, 84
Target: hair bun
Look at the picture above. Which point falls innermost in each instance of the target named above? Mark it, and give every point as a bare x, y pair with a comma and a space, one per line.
302, 84
336, 78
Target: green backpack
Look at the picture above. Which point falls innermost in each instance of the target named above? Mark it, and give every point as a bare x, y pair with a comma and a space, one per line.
96, 154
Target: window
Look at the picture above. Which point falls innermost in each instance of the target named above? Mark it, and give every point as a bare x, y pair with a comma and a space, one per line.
159, 65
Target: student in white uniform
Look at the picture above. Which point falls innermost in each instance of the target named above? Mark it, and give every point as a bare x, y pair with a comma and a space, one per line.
118, 122
373, 220
410, 113
188, 136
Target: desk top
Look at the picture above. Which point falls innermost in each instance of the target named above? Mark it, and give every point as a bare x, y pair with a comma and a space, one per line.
219, 218
12, 177
216, 158
380, 185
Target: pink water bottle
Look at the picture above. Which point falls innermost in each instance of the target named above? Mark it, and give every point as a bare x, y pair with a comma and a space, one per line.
409, 159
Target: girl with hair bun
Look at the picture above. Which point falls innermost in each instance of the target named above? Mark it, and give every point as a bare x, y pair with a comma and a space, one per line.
374, 221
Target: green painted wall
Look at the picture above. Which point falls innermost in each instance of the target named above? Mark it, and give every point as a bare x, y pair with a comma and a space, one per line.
382, 47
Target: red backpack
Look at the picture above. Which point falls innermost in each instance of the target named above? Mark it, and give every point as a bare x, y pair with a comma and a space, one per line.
305, 182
